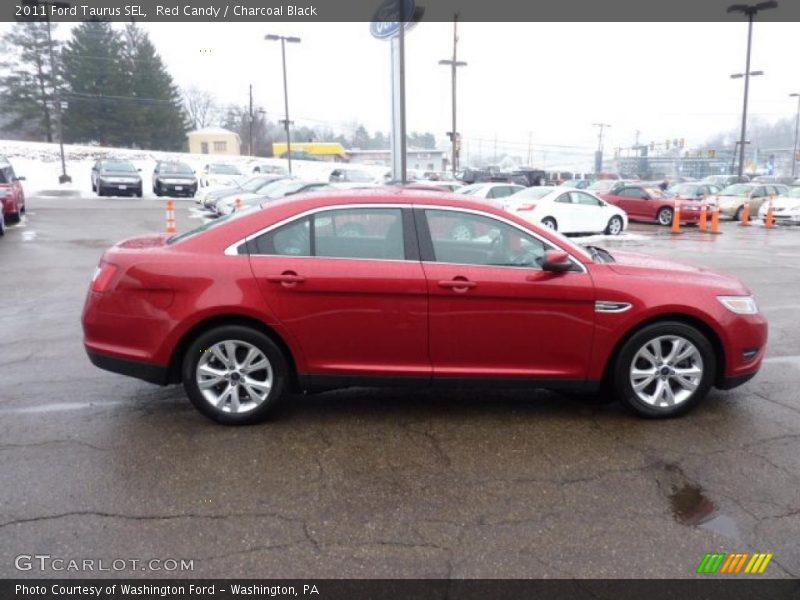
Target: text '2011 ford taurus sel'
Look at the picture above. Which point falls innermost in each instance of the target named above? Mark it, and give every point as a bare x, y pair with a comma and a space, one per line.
372, 288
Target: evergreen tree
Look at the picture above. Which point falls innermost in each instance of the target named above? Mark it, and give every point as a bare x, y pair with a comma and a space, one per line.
26, 88
156, 118
96, 86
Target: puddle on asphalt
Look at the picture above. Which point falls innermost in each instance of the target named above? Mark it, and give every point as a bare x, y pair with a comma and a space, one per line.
56, 407
690, 506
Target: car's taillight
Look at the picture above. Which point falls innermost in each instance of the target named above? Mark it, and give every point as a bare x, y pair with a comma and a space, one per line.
102, 276
526, 207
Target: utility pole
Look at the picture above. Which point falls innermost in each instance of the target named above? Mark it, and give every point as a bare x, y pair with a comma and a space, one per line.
530, 149
598, 157
796, 131
750, 11
454, 64
63, 178
286, 122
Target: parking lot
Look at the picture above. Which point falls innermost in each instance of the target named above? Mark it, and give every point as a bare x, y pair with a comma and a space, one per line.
377, 483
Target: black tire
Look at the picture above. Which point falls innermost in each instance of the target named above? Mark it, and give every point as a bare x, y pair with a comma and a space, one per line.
12, 218
664, 216
94, 187
2, 223
621, 378
615, 220
738, 214
100, 191
273, 353
550, 223
139, 193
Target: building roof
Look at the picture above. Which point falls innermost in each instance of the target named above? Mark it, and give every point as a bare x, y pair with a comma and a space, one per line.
213, 131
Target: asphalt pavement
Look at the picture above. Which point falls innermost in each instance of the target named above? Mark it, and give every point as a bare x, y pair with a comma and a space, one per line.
380, 483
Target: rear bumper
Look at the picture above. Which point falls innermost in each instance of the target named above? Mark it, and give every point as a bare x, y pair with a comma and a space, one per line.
148, 372
728, 383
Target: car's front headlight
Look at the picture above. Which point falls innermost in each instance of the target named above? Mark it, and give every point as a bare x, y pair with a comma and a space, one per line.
741, 305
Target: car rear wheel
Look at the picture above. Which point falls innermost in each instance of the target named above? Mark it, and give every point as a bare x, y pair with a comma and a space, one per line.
550, 223
664, 216
614, 226
2, 222
664, 370
234, 375
738, 215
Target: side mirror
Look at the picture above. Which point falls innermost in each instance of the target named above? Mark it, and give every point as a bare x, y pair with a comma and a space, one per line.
556, 261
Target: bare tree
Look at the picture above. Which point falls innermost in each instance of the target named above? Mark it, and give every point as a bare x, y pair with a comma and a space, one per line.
201, 107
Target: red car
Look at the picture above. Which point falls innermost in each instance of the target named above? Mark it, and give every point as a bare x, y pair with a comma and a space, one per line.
11, 194
651, 204
292, 297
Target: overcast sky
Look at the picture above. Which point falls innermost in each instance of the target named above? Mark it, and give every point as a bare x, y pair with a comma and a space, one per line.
549, 81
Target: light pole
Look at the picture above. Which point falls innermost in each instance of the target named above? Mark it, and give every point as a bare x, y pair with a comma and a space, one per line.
63, 178
598, 157
454, 64
750, 10
286, 122
796, 130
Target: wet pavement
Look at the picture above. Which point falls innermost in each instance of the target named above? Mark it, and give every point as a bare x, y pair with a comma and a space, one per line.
366, 483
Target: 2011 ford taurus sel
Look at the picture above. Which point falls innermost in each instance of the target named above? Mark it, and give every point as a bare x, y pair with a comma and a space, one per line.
376, 287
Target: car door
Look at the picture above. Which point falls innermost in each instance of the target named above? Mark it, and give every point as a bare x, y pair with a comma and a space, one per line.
561, 210
494, 313
589, 212
348, 286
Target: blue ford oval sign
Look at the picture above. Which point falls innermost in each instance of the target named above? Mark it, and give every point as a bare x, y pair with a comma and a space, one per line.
386, 21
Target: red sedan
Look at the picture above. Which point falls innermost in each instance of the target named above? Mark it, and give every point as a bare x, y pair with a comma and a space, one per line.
651, 204
292, 297
11, 195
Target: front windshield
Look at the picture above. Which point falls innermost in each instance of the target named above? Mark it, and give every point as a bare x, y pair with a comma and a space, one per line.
603, 185
737, 189
176, 169
224, 170
358, 176
793, 193
123, 166
256, 183
212, 224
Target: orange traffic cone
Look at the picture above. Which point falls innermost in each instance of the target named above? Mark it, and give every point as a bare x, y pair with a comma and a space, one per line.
676, 217
715, 217
703, 225
171, 217
238, 204
746, 213
770, 223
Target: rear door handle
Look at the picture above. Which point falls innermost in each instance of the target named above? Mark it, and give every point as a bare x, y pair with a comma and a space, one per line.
288, 277
457, 284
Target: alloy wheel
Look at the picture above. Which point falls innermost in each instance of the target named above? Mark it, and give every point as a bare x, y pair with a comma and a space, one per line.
665, 216
666, 371
234, 376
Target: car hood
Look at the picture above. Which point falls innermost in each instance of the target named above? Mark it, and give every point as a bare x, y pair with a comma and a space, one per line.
636, 264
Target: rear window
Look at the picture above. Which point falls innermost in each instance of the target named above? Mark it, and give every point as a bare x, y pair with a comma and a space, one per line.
6, 174
211, 224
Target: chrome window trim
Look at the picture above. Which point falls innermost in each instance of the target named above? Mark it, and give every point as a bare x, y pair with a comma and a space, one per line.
233, 249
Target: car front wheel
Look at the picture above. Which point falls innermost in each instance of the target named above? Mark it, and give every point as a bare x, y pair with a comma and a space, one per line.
234, 375
614, 226
664, 370
2, 222
664, 216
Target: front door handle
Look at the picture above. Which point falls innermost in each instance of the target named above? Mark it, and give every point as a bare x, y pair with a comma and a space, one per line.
287, 278
457, 284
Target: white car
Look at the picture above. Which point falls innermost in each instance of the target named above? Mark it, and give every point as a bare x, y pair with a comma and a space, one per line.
488, 189
219, 174
785, 208
567, 210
